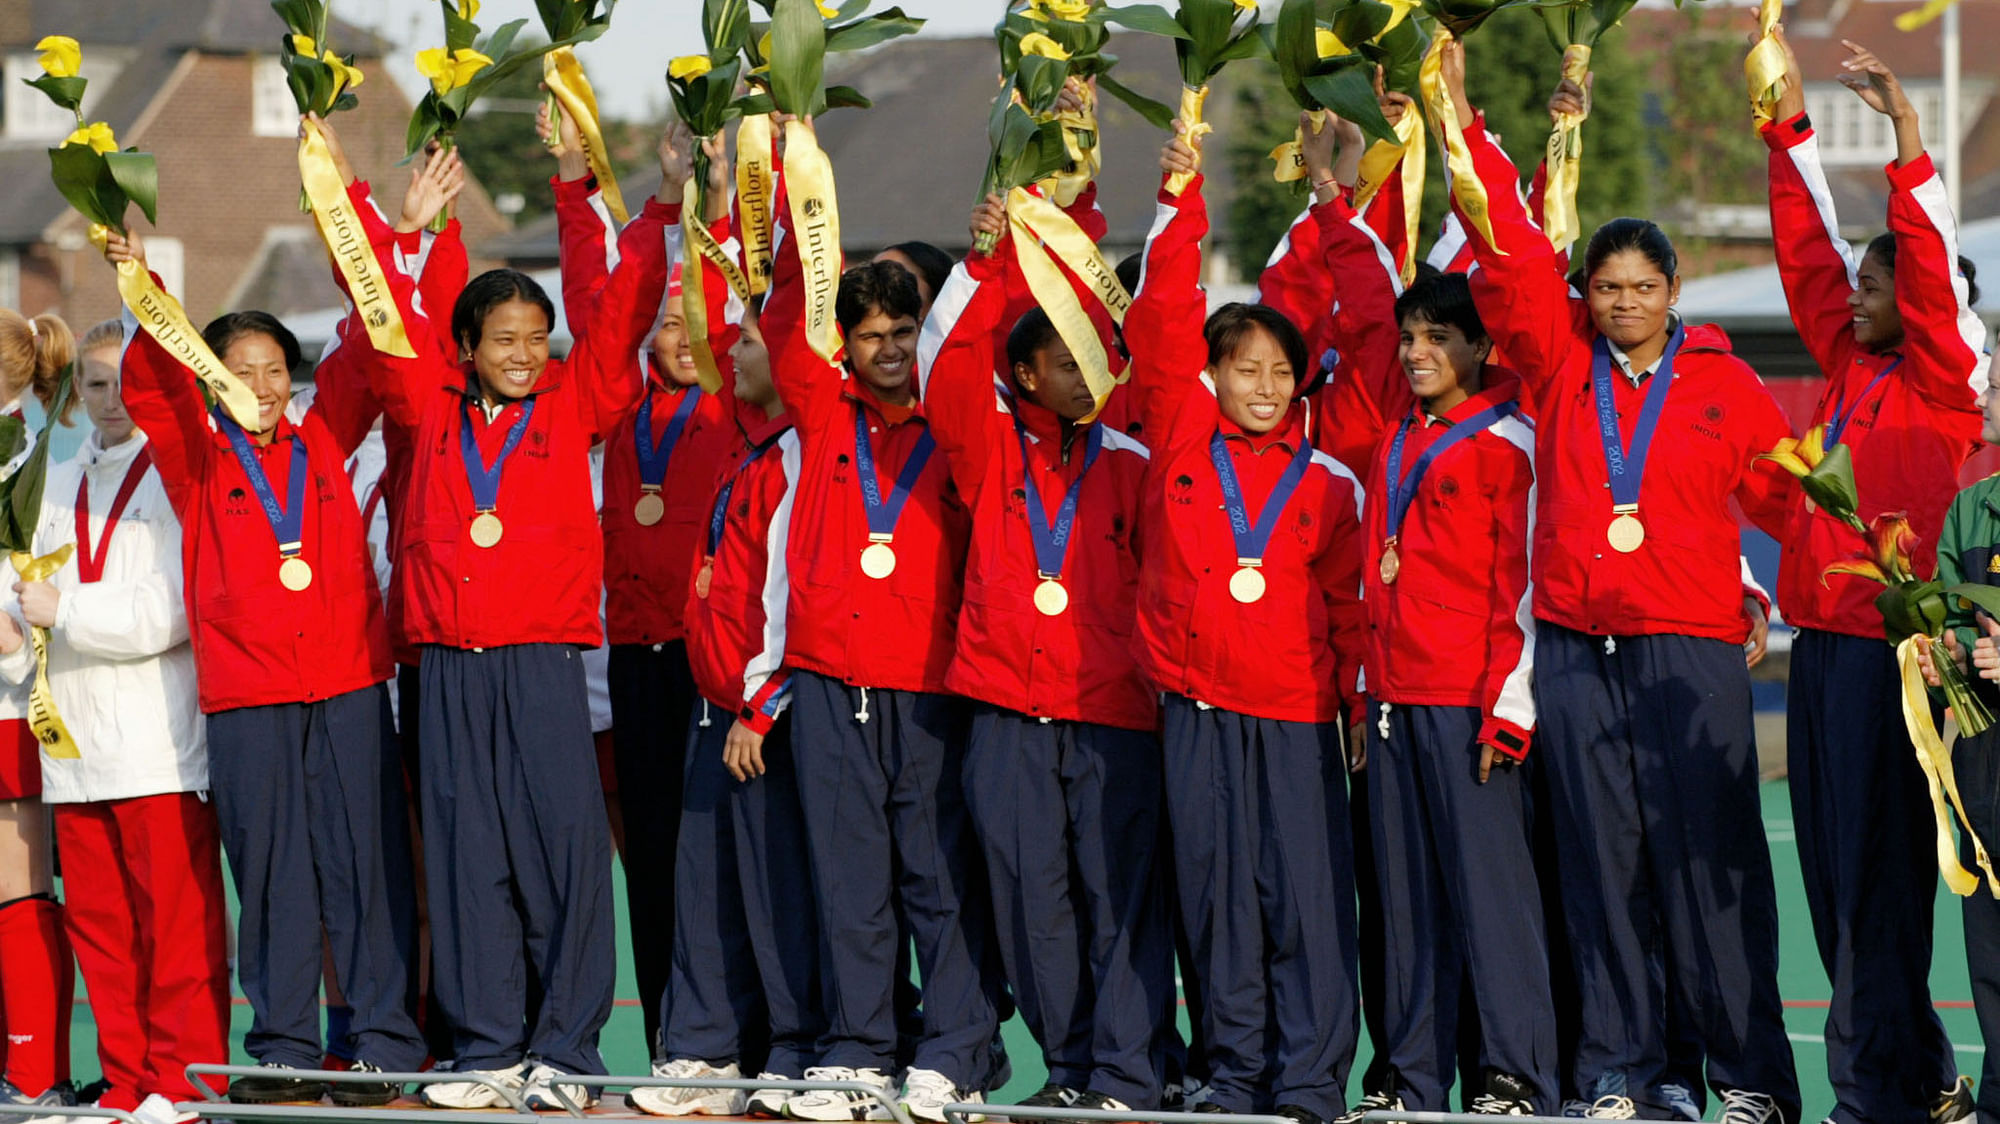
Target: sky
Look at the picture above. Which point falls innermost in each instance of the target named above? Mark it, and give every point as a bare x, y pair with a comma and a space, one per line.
628, 66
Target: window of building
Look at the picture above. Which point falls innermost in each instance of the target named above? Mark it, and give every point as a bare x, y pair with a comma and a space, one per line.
273, 110
1852, 133
29, 114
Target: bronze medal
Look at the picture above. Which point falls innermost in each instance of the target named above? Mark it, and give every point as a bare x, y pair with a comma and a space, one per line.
705, 578
1392, 564
650, 509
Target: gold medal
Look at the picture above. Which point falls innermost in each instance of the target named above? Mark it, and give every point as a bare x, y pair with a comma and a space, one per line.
705, 578
486, 530
650, 509
1247, 585
1051, 599
1392, 564
295, 573
879, 560
1626, 533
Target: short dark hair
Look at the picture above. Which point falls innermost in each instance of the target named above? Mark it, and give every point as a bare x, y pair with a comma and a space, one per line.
1130, 268
933, 264
1883, 247
1031, 333
229, 327
489, 291
876, 286
1620, 235
1444, 299
1230, 326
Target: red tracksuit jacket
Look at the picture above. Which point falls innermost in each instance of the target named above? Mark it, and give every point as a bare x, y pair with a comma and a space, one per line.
736, 621
257, 643
1294, 655
646, 574
1454, 628
895, 632
540, 583
1912, 413
1719, 417
1080, 665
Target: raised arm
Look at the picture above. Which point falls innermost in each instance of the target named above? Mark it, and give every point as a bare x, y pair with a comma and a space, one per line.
627, 310
162, 396
1815, 263
955, 356
1163, 328
808, 384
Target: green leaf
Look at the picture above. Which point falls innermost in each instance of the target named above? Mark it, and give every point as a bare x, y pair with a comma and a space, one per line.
1983, 597
1151, 19
1350, 92
13, 436
1295, 48
846, 97
876, 29
1157, 114
458, 33
1831, 482
1040, 82
65, 92
84, 180
757, 105
798, 62
138, 177
1361, 21
425, 122
725, 25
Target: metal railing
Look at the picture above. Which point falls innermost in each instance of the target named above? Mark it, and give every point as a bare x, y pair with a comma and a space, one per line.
77, 1112
963, 1114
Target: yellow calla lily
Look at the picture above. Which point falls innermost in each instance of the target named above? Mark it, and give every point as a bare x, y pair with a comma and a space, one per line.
1892, 542
1246, 5
345, 77
1072, 10
689, 66
61, 56
304, 45
826, 11
1799, 455
1035, 43
1329, 44
96, 135
450, 72
1856, 567
468, 10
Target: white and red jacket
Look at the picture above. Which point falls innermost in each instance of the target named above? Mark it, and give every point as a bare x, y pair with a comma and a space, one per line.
1716, 421
736, 626
257, 643
895, 632
1910, 415
646, 571
1079, 666
458, 594
1295, 654
120, 667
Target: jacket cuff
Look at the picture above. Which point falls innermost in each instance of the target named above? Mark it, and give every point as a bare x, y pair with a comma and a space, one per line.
756, 720
1792, 131
668, 213
1912, 175
1193, 188
1510, 740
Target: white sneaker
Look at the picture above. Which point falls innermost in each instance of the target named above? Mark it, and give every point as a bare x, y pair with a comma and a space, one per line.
926, 1092
669, 1100
156, 1109
477, 1094
768, 1104
834, 1104
1679, 1100
544, 1090
1370, 1102
1612, 1107
1741, 1106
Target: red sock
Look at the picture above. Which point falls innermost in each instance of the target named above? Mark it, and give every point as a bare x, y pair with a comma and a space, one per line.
37, 985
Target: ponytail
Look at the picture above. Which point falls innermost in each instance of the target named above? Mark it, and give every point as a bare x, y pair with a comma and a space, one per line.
33, 354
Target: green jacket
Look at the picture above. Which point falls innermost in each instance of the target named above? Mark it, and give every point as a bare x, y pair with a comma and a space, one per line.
1969, 551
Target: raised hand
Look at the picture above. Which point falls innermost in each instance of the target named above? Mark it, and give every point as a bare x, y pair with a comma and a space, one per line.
333, 146
676, 162
121, 248
1451, 64
1792, 101
1181, 156
1876, 85
432, 189
721, 178
1572, 98
989, 219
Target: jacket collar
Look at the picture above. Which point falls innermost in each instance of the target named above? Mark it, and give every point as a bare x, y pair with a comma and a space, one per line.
93, 455
1496, 385
768, 428
1287, 436
468, 385
890, 413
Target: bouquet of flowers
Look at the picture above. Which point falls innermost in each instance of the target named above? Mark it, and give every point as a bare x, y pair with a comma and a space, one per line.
90, 170
1207, 35
570, 22
321, 81
1574, 28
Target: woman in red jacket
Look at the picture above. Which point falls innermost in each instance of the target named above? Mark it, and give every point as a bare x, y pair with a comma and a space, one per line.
501, 566
1903, 355
1639, 669
291, 656
1249, 543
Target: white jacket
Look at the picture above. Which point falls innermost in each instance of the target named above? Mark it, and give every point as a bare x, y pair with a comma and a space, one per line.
119, 661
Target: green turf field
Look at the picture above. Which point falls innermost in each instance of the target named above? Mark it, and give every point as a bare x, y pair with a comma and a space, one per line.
1803, 984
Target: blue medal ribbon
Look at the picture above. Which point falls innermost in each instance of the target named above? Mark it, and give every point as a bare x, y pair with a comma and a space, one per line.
1251, 540
1836, 422
484, 478
719, 513
883, 513
1052, 543
1403, 489
1626, 465
287, 522
653, 458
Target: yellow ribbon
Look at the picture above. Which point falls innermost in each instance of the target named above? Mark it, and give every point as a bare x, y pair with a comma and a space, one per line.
1042, 234
1938, 775
1465, 185
755, 188
347, 242
565, 79
1564, 159
42, 717
1192, 101
1765, 65
1910, 21
1081, 141
161, 317
1290, 157
694, 299
1407, 158
816, 231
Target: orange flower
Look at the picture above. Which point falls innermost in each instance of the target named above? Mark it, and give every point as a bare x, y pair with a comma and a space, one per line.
1891, 543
